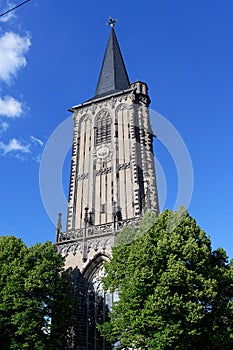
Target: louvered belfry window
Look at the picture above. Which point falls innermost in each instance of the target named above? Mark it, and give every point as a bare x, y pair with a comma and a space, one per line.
103, 128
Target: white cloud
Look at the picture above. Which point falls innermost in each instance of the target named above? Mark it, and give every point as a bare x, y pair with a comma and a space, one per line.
36, 140
3, 127
9, 15
10, 107
14, 146
13, 49
37, 158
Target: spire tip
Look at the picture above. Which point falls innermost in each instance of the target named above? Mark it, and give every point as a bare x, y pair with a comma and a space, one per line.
111, 22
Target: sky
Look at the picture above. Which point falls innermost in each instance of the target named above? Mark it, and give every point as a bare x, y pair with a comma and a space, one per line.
50, 58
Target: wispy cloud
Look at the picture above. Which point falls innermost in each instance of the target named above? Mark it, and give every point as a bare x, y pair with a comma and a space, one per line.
8, 16
36, 140
10, 107
15, 146
37, 158
3, 127
13, 49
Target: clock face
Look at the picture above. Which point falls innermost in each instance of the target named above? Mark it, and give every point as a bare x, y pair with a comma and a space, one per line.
103, 154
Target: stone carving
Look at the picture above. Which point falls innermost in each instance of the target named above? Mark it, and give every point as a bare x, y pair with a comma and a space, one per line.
130, 222
64, 250
82, 176
124, 166
84, 118
104, 171
143, 99
112, 102
93, 108
103, 153
101, 244
102, 229
70, 235
121, 107
98, 230
96, 244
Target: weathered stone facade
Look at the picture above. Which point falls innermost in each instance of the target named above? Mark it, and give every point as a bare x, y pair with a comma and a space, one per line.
112, 184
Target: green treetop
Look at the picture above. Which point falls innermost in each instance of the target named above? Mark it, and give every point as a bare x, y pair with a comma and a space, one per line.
34, 296
174, 291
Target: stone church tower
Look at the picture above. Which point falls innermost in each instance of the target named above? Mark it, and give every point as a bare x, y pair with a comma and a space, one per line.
112, 184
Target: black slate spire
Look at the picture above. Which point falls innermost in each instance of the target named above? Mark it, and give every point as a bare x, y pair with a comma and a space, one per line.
113, 76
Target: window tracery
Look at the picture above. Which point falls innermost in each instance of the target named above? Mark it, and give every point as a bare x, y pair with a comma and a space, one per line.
103, 128
100, 303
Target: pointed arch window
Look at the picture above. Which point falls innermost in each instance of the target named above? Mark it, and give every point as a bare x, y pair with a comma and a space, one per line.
99, 304
103, 128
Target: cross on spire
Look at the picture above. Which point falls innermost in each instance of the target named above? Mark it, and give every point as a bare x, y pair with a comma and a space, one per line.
112, 22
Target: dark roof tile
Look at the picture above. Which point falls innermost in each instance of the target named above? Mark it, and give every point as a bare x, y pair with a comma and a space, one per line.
113, 76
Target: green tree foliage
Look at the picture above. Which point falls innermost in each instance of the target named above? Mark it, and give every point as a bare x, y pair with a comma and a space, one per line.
174, 291
34, 296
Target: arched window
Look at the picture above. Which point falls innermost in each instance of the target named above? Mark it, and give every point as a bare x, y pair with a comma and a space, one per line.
99, 304
103, 128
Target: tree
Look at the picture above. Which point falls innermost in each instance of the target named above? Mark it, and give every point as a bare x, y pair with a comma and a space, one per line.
174, 291
35, 303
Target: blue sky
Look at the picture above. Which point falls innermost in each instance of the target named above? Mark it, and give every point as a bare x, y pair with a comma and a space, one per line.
50, 58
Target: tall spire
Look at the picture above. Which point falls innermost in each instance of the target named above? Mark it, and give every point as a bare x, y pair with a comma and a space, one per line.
113, 76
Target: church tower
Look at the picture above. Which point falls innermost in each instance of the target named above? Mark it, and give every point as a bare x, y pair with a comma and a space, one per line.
112, 180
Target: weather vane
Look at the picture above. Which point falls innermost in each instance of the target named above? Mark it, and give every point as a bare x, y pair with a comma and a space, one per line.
112, 22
